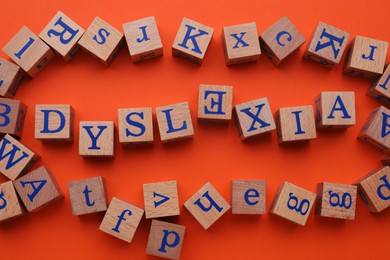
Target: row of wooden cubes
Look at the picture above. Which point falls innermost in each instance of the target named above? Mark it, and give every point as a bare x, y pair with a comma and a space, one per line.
241, 44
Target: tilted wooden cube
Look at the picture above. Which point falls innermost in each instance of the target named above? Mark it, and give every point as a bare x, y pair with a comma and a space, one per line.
248, 197
10, 77
10, 206
280, 40
135, 125
379, 90
96, 138
192, 40
62, 34
241, 43
12, 115
327, 45
366, 57
28, 51
143, 39
215, 103
335, 110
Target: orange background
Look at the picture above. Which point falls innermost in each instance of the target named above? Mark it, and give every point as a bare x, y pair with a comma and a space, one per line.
216, 153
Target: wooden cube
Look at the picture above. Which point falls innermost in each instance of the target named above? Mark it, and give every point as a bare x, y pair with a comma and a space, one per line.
143, 39
102, 41
241, 43
10, 206
192, 40
336, 200
379, 90
87, 196
254, 118
165, 240
28, 51
215, 103
295, 124
161, 199
335, 110
174, 122
248, 197
54, 122
375, 131
135, 125
280, 40
366, 57
207, 205
121, 219
12, 114
327, 45
374, 189
15, 158
10, 77
293, 203
96, 138
38, 188
62, 34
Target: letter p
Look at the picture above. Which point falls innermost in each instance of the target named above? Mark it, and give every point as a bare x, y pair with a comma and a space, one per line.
170, 239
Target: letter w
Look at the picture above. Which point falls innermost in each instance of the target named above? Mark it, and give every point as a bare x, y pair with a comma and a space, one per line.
11, 154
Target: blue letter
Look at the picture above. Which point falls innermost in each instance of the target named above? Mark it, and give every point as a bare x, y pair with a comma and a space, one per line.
121, 217
385, 185
25, 47
66, 29
4, 114
279, 35
2, 206
164, 242
188, 36
214, 103
87, 200
239, 40
298, 119
212, 203
371, 56
103, 38
331, 38
36, 189
11, 154
164, 199
94, 138
135, 124
1, 83
255, 117
340, 108
145, 36
385, 83
255, 194
46, 121
384, 125
169, 122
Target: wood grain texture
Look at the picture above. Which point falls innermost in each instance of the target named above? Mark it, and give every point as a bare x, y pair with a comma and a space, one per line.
15, 113
101, 143
130, 132
10, 77
10, 206
213, 106
248, 197
379, 90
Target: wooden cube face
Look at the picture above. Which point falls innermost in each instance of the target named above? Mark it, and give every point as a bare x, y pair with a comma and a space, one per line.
335, 110
295, 124
9, 203
143, 39
62, 34
248, 197
102, 40
10, 77
135, 125
375, 131
374, 189
327, 45
38, 188
336, 200
192, 40
366, 57
280, 40
174, 122
121, 219
28, 51
379, 90
96, 138
87, 196
293, 203
215, 103
15, 158
161, 199
241, 43
207, 205
254, 118
12, 113
54, 122
165, 240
